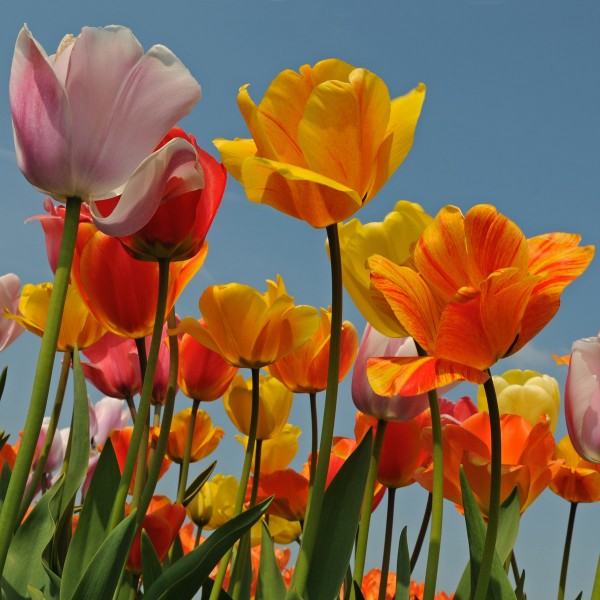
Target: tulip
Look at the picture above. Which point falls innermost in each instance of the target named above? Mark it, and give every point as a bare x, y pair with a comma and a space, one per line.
216, 500
250, 329
10, 329
180, 224
305, 369
479, 293
290, 491
278, 451
79, 326
325, 141
394, 238
371, 582
87, 119
161, 523
395, 408
203, 374
525, 393
577, 479
284, 531
527, 458
582, 405
205, 438
107, 414
275, 403
121, 291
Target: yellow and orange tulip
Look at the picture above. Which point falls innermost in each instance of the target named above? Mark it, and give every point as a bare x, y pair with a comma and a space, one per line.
206, 437
325, 140
479, 291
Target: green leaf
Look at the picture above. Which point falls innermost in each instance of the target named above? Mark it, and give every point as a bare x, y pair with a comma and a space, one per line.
189, 573
580, 596
499, 587
338, 524
596, 589
519, 590
358, 595
197, 484
34, 593
3, 380
207, 590
101, 577
270, 583
4, 481
508, 525
241, 573
403, 568
3, 439
150, 561
24, 563
92, 528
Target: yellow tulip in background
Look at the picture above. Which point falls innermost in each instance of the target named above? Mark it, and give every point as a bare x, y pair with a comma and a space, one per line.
78, 328
275, 403
219, 493
525, 393
277, 452
250, 329
205, 441
324, 141
394, 238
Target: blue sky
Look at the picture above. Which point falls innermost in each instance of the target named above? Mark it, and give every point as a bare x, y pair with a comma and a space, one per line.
511, 118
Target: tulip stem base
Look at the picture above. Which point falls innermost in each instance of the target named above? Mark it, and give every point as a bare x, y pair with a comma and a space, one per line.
566, 552
387, 543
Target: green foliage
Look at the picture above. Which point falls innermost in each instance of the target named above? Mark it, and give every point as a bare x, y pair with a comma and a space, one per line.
196, 485
152, 569
270, 585
403, 568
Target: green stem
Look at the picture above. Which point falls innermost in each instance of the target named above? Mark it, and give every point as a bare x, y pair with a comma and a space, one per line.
387, 543
38, 472
367, 505
198, 536
314, 429
565, 560
144, 406
424, 525
41, 385
239, 502
185, 465
311, 525
131, 406
256, 474
491, 534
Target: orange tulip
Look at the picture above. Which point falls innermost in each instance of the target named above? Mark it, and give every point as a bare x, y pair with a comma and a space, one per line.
206, 437
121, 291
305, 369
577, 479
480, 292
371, 582
527, 458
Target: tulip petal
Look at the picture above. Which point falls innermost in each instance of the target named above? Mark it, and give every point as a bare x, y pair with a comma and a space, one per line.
298, 192
412, 376
171, 170
40, 110
233, 153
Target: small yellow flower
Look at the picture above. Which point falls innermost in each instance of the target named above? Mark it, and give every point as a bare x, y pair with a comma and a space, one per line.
206, 437
284, 531
277, 452
525, 393
250, 329
275, 403
78, 328
215, 502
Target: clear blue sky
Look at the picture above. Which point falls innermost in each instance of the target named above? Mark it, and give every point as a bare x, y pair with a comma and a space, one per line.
511, 118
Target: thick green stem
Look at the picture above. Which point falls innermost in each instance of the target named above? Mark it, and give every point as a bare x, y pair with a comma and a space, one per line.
314, 441
367, 505
132, 410
144, 405
491, 534
421, 536
256, 474
241, 495
41, 385
387, 543
185, 465
565, 560
311, 525
38, 472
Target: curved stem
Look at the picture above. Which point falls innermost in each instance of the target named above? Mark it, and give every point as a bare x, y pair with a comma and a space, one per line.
41, 384
424, 525
185, 464
565, 560
311, 524
239, 502
367, 505
256, 477
491, 534
38, 472
314, 440
144, 405
387, 543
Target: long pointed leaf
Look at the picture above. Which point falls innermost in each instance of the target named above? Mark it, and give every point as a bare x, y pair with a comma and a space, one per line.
338, 524
3, 380
151, 568
270, 580
197, 484
403, 568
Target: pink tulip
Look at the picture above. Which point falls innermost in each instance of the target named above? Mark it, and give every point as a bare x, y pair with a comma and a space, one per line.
395, 408
87, 119
10, 330
161, 379
114, 367
582, 398
107, 414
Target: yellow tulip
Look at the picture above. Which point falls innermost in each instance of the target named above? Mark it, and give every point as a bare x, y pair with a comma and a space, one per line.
394, 238
78, 328
284, 531
206, 437
215, 501
525, 393
250, 329
200, 509
277, 452
275, 403
325, 140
